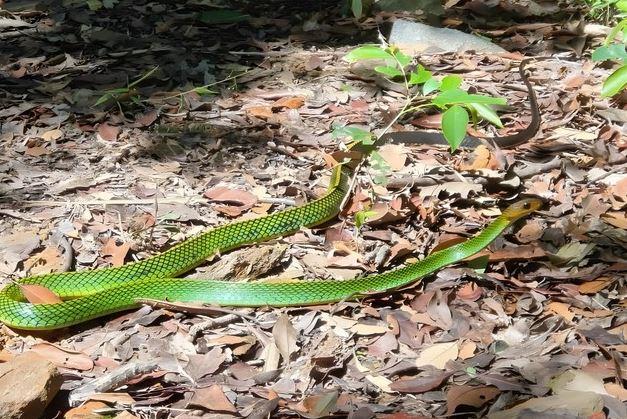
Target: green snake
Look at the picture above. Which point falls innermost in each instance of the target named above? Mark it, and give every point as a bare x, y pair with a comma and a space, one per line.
91, 294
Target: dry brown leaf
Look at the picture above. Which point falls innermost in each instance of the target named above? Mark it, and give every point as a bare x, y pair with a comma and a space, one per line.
52, 135
63, 357
469, 396
261, 112
231, 196
561, 309
86, 410
368, 329
290, 102
470, 292
123, 398
594, 286
467, 350
285, 337
116, 251
437, 355
36, 151
213, 399
617, 391
107, 132
47, 261
395, 155
617, 219
38, 294
317, 405
480, 158
420, 384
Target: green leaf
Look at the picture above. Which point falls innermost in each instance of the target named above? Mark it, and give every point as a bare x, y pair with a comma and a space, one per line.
94, 5
486, 112
368, 52
357, 8
362, 216
109, 4
450, 82
486, 100
203, 90
621, 5
402, 59
615, 82
388, 71
449, 97
356, 134
430, 85
454, 123
221, 16
104, 98
419, 77
380, 166
610, 52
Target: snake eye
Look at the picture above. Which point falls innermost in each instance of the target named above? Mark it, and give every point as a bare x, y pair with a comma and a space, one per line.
527, 205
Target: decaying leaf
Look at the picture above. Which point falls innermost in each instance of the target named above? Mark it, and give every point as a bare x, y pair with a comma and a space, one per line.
38, 294
473, 396
437, 355
285, 337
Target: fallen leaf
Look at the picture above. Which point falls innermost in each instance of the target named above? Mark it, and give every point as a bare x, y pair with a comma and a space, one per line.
467, 349
317, 406
473, 396
36, 151
395, 155
116, 251
86, 410
570, 404
285, 337
420, 384
470, 292
52, 135
617, 391
617, 219
107, 132
213, 399
47, 261
290, 102
437, 355
38, 294
381, 382
231, 196
561, 309
261, 112
63, 357
123, 398
368, 329
594, 286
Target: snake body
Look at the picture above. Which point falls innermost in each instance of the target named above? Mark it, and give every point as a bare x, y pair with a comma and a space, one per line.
92, 294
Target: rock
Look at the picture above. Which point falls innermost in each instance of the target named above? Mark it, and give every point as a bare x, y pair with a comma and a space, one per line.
27, 384
417, 38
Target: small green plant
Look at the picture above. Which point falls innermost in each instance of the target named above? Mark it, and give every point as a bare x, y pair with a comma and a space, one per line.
359, 136
610, 50
125, 94
458, 106
601, 10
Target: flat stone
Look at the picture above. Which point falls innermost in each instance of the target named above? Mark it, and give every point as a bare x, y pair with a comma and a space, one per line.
28, 383
416, 38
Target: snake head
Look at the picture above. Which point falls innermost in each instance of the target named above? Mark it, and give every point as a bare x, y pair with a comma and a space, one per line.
522, 208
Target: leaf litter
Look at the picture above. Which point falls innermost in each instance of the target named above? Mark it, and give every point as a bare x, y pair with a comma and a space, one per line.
538, 328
